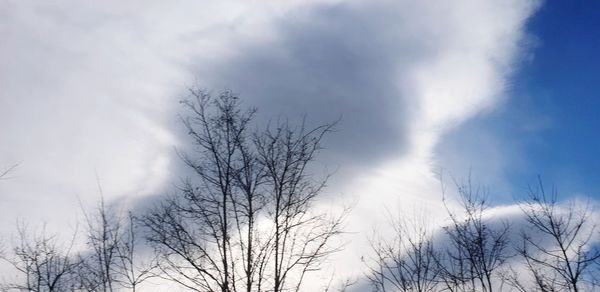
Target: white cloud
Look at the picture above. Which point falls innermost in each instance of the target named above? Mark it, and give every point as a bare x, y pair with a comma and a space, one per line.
92, 87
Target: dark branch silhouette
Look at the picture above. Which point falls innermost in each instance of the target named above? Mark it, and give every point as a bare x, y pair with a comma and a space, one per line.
557, 246
245, 221
42, 263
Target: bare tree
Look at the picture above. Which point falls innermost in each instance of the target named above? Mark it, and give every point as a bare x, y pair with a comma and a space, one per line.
42, 263
131, 268
104, 228
477, 248
248, 205
210, 226
243, 221
406, 262
557, 248
302, 237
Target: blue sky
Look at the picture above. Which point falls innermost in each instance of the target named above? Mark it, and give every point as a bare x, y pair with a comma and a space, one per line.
563, 82
548, 122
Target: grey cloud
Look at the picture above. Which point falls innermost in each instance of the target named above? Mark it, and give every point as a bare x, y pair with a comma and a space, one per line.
329, 62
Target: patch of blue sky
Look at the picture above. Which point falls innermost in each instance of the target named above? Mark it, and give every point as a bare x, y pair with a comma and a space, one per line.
549, 124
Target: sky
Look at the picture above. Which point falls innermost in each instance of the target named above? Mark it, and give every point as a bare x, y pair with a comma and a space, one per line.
502, 91
546, 125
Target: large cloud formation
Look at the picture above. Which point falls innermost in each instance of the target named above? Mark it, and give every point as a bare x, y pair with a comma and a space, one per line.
92, 88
